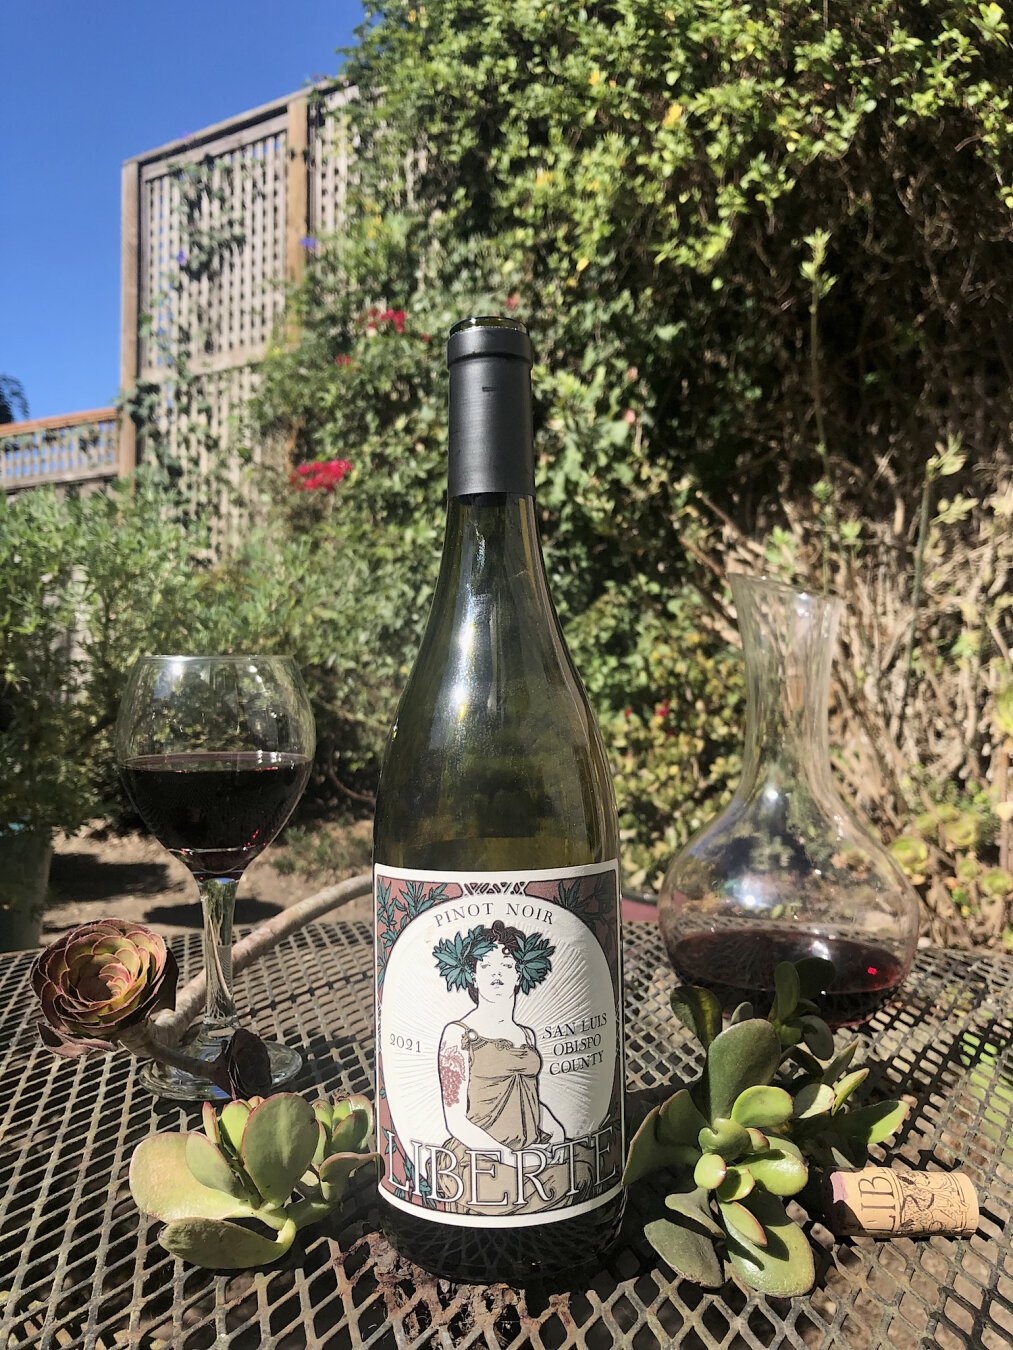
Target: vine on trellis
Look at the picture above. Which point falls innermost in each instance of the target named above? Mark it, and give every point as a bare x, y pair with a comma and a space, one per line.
175, 416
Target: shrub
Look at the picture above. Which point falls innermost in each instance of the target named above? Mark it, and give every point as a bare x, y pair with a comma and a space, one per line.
761, 254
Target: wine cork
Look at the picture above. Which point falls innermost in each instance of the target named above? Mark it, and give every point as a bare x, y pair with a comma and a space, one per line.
887, 1202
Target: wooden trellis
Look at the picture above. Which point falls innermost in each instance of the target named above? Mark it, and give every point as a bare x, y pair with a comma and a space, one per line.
271, 180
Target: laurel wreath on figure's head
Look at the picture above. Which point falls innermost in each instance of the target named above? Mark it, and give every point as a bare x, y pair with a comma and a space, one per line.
456, 956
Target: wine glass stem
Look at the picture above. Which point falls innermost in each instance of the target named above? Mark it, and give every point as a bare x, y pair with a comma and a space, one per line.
218, 899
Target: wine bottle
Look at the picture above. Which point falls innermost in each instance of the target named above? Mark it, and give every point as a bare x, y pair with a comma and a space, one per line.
499, 1012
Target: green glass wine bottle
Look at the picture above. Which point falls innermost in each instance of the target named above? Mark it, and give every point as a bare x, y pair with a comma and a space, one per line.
499, 1055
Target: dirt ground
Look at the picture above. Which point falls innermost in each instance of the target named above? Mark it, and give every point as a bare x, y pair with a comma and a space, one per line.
95, 876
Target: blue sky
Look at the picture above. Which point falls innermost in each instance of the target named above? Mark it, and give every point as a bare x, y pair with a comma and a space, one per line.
86, 85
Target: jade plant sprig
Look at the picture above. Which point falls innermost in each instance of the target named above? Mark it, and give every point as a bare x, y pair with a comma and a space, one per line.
738, 1144
236, 1194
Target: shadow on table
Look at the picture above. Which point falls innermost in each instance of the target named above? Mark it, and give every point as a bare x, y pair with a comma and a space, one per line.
81, 877
249, 910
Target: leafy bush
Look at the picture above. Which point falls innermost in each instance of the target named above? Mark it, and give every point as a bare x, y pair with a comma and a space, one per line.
86, 585
760, 253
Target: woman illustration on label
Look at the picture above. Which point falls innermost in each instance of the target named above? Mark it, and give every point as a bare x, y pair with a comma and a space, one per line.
489, 1066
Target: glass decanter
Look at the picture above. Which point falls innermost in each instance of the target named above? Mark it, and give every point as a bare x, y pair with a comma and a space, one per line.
787, 870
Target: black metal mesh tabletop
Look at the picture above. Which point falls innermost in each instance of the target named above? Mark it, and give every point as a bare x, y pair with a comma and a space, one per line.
79, 1266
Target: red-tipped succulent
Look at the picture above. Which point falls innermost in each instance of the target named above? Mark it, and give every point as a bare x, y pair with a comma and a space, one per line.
99, 981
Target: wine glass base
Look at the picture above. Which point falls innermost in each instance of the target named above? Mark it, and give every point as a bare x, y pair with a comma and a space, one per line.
165, 1080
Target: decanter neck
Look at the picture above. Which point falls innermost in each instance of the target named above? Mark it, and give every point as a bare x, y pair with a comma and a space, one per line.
788, 642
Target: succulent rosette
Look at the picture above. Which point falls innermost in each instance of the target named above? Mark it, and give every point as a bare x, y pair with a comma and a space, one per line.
99, 981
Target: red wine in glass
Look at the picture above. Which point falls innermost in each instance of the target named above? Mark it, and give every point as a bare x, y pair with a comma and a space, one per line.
739, 965
216, 812
215, 752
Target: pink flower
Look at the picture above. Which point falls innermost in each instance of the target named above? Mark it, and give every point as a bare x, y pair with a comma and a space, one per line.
630, 417
513, 301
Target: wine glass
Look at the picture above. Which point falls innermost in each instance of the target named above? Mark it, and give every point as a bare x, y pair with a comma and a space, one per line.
215, 752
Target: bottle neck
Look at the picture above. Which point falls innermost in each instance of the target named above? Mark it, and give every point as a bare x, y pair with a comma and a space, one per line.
492, 549
788, 640
491, 441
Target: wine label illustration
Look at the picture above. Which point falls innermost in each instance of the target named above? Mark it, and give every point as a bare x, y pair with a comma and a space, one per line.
499, 1054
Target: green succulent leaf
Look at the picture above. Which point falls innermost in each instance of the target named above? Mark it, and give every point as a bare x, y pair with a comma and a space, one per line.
737, 1184
724, 1136
348, 1133
815, 1099
679, 1121
839, 1063
209, 1119
743, 1223
324, 1113
217, 1245
233, 1122
784, 1267
710, 1171
780, 1170
786, 991
817, 1036
163, 1185
872, 1124
279, 1141
758, 1141
335, 1171
355, 1101
323, 1144
699, 1010
210, 1168
740, 1057
847, 1085
742, 1013
762, 1107
808, 1063
647, 1152
688, 1250
693, 1203
666, 1139
815, 976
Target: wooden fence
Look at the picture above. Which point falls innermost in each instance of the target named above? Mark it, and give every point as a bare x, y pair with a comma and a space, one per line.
77, 448
270, 181
214, 228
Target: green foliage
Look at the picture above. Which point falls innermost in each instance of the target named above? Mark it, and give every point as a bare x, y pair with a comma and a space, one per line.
753, 247
246, 1165
737, 1145
13, 403
86, 585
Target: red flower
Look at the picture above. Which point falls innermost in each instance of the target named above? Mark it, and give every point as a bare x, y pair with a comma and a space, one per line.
426, 337
342, 360
662, 710
323, 476
395, 317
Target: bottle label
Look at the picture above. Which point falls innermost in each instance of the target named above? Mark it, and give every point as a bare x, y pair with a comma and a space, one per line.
499, 1056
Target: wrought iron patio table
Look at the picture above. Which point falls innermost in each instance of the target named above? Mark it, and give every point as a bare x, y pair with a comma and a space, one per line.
79, 1266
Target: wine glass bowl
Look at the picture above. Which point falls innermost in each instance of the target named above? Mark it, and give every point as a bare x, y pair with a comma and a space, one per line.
215, 752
